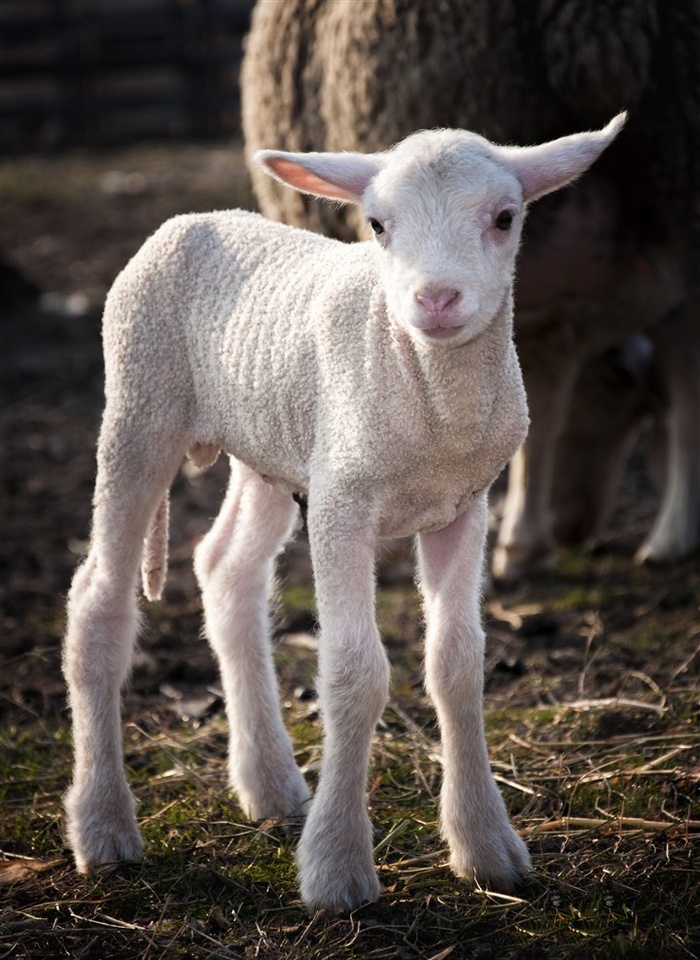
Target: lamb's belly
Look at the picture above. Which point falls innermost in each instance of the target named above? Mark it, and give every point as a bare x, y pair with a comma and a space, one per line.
271, 453
274, 439
274, 466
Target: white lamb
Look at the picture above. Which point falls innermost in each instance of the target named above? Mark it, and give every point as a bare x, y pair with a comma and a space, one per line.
381, 379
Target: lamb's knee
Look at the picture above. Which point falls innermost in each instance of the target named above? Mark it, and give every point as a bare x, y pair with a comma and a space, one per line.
353, 682
207, 557
454, 672
102, 624
226, 574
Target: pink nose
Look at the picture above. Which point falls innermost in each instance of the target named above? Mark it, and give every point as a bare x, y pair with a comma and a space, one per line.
436, 302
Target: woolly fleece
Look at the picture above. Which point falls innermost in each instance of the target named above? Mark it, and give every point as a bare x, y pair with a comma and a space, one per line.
304, 366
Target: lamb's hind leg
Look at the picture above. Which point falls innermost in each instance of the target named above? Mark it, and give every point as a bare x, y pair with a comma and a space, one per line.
234, 566
102, 625
483, 845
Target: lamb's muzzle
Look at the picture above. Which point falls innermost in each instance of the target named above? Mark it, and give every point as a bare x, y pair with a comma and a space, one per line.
301, 358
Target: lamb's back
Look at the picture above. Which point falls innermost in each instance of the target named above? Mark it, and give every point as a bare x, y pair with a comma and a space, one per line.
240, 315
277, 345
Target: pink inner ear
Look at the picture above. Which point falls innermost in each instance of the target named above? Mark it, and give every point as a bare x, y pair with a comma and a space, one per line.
307, 182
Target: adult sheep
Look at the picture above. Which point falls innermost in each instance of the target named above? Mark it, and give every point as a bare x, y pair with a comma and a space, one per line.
616, 254
381, 380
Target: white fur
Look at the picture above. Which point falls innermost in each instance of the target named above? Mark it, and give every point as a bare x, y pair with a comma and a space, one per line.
382, 380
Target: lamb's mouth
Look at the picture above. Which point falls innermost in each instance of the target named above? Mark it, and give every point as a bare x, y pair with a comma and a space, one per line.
442, 333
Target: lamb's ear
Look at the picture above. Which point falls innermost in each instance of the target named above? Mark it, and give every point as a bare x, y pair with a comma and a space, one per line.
552, 165
337, 176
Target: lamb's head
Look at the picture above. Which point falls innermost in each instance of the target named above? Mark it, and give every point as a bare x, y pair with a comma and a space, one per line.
447, 210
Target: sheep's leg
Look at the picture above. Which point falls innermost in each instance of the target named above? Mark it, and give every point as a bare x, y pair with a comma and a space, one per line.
234, 566
611, 400
677, 355
483, 844
525, 540
334, 856
102, 626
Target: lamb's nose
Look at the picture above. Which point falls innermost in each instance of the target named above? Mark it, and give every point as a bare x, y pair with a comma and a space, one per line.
436, 301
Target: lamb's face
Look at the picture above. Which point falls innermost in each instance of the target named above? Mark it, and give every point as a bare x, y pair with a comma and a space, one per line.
447, 216
447, 209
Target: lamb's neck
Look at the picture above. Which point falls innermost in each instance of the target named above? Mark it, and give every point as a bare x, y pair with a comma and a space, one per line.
455, 380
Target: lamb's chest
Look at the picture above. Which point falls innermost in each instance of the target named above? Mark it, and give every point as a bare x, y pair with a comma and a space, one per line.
437, 484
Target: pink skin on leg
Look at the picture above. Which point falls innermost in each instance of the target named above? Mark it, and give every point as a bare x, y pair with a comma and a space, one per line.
483, 844
234, 565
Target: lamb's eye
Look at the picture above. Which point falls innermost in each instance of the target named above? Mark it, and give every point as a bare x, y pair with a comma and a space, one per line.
504, 220
376, 226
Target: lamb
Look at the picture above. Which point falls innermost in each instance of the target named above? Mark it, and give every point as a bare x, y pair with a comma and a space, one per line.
617, 254
380, 379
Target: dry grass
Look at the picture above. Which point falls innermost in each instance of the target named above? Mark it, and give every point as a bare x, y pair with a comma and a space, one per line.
604, 789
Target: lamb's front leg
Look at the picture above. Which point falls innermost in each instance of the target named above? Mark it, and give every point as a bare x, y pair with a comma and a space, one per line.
483, 844
336, 868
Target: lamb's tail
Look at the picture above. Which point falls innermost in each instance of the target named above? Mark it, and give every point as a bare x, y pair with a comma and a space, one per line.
155, 546
155, 551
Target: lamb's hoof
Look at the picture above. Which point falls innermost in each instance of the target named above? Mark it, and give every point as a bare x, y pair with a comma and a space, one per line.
286, 801
336, 867
338, 888
95, 845
102, 832
498, 859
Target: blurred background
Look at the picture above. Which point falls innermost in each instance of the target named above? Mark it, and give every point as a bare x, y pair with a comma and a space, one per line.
105, 72
114, 116
87, 88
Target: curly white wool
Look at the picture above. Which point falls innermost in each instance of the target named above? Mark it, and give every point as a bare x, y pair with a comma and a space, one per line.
382, 380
